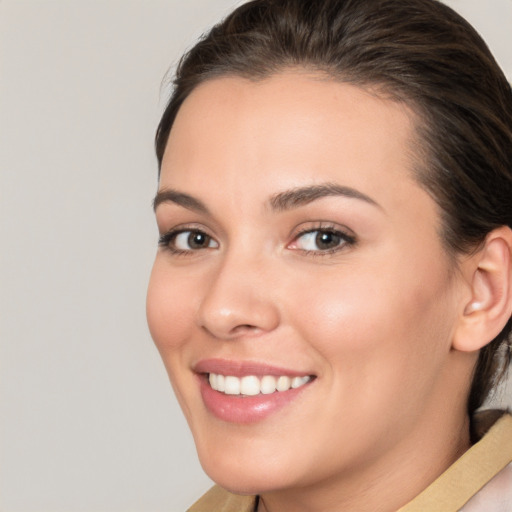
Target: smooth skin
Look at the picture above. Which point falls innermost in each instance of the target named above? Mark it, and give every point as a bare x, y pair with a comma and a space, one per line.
376, 310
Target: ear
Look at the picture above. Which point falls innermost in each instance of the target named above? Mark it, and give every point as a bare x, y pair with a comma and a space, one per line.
489, 308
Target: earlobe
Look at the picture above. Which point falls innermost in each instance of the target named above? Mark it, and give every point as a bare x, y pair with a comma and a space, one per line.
490, 304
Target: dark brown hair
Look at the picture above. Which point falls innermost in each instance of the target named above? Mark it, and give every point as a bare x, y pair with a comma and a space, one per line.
417, 51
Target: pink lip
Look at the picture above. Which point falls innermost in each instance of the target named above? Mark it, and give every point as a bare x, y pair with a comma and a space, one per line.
244, 409
243, 368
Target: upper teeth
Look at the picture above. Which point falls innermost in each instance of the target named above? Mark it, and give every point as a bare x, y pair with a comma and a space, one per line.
252, 385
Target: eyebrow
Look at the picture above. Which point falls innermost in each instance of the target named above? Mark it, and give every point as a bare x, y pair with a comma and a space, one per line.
283, 201
301, 196
181, 199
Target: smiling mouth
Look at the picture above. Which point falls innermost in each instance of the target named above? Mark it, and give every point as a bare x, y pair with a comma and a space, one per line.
246, 392
252, 385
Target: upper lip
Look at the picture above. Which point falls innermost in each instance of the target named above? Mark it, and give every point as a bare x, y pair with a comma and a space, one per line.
244, 368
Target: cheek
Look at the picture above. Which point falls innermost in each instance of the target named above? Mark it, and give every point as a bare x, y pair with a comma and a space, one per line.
168, 309
349, 311
379, 326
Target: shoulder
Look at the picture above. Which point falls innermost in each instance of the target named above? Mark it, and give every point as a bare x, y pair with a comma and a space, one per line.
496, 494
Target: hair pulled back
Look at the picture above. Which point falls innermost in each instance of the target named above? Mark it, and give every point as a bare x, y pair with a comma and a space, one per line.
416, 51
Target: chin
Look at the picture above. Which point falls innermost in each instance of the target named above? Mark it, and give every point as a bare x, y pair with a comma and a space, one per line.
246, 476
247, 483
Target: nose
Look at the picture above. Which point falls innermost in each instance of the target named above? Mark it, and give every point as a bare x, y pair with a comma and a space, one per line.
239, 300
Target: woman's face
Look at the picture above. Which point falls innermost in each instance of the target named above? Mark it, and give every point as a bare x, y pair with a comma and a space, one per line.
297, 249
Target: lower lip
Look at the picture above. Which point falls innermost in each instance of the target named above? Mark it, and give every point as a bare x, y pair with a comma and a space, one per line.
245, 409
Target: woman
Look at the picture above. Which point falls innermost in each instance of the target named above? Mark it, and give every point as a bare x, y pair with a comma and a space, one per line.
333, 289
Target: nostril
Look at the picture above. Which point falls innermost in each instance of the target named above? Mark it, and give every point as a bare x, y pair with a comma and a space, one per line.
235, 332
244, 328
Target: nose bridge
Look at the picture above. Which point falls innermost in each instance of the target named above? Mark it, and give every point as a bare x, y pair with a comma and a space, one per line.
238, 298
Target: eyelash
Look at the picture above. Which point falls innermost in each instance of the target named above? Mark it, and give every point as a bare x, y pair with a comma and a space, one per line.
346, 240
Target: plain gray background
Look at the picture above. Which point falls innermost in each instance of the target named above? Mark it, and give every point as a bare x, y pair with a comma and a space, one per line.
88, 421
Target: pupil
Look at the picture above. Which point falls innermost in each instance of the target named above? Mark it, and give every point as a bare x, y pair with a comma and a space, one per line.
196, 240
327, 240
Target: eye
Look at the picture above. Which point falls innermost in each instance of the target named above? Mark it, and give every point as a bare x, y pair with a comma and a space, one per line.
187, 240
192, 240
326, 240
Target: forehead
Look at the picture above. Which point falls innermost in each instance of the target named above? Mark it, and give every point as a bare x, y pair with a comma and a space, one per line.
295, 91
288, 130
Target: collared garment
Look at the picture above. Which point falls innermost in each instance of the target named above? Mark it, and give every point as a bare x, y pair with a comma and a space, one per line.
479, 481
